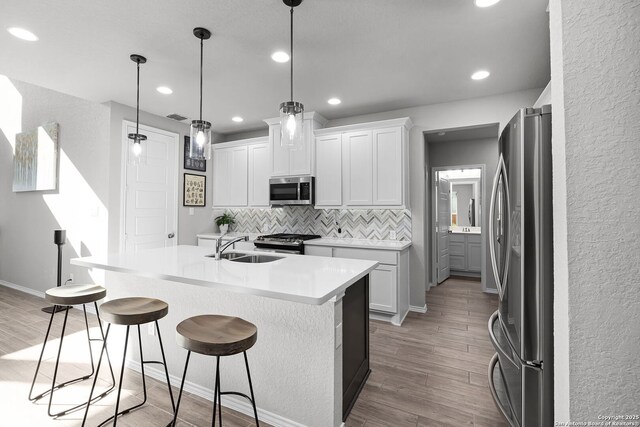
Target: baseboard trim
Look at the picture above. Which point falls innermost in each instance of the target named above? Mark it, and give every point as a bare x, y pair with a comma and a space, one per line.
491, 291
236, 403
90, 308
418, 309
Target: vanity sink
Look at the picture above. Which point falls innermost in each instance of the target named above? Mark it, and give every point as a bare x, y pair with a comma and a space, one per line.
247, 258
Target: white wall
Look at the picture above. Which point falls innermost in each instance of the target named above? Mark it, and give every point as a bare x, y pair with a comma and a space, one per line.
460, 153
595, 73
28, 256
471, 112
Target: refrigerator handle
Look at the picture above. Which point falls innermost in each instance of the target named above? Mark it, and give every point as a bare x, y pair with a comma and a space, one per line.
492, 246
501, 280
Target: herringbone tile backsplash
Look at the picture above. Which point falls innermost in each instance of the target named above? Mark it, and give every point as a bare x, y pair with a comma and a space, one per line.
356, 223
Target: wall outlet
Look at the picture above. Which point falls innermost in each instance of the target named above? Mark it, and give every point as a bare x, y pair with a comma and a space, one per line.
392, 235
151, 329
191, 211
265, 228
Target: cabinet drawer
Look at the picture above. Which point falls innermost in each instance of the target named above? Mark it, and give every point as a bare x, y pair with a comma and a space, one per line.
318, 251
384, 257
457, 262
456, 249
383, 289
457, 238
474, 238
206, 242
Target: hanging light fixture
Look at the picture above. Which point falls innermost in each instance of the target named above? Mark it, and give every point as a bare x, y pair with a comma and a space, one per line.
138, 153
200, 146
291, 112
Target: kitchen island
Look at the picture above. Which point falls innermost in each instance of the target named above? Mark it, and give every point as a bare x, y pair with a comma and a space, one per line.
311, 358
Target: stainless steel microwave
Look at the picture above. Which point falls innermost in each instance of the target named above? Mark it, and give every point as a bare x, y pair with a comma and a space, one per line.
294, 190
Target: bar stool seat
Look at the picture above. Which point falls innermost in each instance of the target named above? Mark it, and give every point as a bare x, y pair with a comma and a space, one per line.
216, 335
75, 294
134, 310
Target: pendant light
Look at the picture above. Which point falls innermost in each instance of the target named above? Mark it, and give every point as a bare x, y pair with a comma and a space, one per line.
200, 146
291, 112
138, 152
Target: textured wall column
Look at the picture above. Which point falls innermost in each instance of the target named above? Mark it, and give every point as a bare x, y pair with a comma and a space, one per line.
596, 77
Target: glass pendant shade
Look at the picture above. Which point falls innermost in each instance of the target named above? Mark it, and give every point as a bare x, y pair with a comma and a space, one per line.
138, 151
200, 144
291, 124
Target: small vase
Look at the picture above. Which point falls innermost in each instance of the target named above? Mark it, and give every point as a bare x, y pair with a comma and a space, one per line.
224, 228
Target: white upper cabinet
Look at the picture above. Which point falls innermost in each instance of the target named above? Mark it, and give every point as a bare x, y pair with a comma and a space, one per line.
230, 176
358, 168
287, 162
387, 166
373, 164
241, 173
329, 170
259, 173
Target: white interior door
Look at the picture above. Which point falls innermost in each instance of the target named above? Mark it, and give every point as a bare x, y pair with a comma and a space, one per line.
443, 205
151, 191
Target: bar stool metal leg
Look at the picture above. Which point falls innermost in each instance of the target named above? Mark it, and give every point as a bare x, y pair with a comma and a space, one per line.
55, 387
253, 399
166, 370
95, 379
184, 376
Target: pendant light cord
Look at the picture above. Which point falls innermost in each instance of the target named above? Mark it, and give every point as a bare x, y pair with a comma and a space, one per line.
291, 56
137, 98
201, 61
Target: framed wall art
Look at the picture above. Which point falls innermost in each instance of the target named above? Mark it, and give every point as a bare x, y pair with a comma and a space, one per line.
195, 190
192, 164
35, 159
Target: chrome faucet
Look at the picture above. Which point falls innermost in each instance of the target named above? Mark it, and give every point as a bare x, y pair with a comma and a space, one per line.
220, 247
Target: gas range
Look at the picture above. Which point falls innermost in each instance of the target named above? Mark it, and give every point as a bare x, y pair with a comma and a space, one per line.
283, 242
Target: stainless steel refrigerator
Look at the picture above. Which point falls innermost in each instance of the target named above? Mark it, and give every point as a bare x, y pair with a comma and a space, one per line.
521, 252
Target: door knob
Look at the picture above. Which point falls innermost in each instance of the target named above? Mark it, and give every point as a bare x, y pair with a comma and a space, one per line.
171, 235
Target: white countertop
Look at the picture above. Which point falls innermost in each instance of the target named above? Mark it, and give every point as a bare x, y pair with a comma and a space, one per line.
229, 236
299, 278
389, 245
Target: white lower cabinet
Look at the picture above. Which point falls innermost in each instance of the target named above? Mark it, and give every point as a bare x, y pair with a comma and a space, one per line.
388, 283
383, 289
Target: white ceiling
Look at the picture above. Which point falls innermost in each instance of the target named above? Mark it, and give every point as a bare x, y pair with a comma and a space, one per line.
376, 55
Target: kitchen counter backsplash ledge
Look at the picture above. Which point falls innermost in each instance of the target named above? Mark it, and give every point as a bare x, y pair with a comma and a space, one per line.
376, 224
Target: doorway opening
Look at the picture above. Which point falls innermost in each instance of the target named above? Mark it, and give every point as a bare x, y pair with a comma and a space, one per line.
458, 190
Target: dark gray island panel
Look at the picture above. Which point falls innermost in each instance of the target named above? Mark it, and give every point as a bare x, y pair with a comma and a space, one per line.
355, 343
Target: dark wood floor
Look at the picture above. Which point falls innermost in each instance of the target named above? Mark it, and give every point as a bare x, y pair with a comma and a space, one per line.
432, 371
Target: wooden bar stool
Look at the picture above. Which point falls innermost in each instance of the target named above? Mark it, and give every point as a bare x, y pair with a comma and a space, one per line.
132, 311
218, 336
66, 296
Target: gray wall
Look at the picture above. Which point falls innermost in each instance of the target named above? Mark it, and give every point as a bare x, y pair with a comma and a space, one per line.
595, 75
471, 112
28, 256
460, 153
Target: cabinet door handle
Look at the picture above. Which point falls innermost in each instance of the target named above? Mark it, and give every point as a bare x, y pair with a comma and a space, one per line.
171, 235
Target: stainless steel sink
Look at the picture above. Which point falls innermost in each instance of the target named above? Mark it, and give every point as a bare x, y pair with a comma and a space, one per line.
251, 259
256, 259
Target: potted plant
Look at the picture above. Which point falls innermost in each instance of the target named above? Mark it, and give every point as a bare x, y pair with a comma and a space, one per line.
223, 221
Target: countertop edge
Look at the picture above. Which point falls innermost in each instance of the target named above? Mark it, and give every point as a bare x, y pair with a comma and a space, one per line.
399, 248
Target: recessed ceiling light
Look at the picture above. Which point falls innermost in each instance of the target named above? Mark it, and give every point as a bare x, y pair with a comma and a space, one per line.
334, 101
164, 90
22, 34
280, 56
486, 3
237, 119
480, 75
